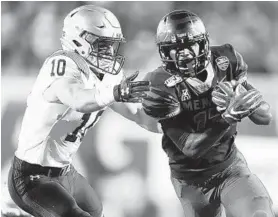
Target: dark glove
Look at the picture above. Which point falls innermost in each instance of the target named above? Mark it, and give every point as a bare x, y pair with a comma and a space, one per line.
160, 104
243, 104
131, 91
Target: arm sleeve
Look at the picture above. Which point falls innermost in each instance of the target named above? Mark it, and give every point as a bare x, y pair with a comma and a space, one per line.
241, 68
54, 68
262, 115
57, 67
62, 66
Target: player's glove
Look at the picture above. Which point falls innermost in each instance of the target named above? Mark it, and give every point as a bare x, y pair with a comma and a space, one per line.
222, 95
160, 104
131, 91
243, 104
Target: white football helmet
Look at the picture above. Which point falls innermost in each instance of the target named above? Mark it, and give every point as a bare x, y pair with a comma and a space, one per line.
94, 33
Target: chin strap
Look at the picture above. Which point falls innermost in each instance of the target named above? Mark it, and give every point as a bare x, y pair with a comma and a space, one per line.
199, 86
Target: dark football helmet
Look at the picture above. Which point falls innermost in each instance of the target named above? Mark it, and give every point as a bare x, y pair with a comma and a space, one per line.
183, 43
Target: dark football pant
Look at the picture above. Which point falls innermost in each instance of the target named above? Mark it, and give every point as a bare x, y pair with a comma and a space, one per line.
52, 195
240, 192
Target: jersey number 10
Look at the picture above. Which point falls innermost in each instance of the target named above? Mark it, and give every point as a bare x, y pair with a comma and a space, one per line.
58, 68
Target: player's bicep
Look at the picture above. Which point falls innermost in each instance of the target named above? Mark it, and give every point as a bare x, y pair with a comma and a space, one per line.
241, 68
262, 115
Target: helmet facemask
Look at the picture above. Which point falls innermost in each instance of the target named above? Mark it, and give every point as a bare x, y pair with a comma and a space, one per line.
103, 53
189, 57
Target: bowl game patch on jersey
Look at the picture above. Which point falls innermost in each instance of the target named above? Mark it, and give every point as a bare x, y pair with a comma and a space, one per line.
173, 80
222, 63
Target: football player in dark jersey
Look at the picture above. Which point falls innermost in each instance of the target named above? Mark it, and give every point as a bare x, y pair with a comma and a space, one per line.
199, 94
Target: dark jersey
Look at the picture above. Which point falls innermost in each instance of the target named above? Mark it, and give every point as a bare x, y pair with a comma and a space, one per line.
199, 112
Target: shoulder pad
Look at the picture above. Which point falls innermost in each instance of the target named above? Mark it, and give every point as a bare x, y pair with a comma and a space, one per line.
221, 49
225, 56
225, 51
74, 60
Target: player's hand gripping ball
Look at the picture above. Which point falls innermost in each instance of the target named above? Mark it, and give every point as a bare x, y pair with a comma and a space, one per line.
160, 104
234, 101
242, 105
222, 95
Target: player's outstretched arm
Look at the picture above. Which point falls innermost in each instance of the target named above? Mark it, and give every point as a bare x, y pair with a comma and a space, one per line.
195, 144
262, 115
134, 112
72, 92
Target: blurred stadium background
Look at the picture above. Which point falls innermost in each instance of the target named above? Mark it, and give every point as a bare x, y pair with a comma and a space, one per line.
125, 163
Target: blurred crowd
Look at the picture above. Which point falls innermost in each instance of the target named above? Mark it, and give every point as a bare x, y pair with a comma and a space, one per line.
31, 31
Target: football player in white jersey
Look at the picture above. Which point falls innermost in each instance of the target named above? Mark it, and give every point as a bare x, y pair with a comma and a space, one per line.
73, 88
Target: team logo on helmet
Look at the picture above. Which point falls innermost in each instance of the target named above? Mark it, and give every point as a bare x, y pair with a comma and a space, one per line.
222, 63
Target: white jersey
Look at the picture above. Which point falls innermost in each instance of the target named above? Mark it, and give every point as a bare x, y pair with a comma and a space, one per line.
51, 132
